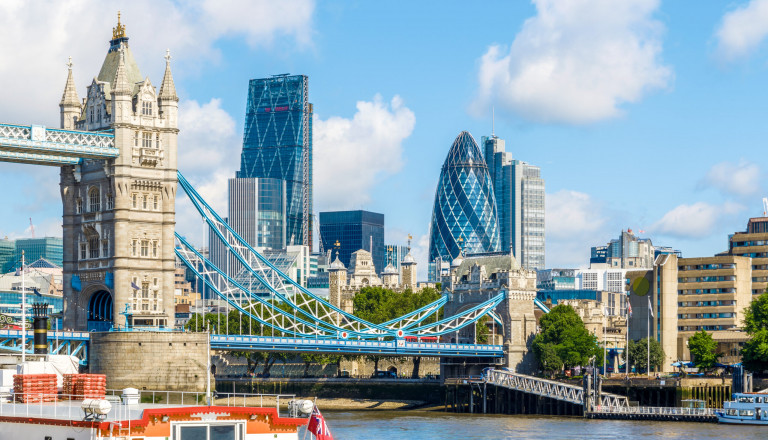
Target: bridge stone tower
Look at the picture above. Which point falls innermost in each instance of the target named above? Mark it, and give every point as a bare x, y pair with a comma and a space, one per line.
473, 280
119, 214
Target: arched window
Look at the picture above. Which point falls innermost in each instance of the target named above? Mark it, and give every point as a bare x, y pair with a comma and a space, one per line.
93, 247
94, 200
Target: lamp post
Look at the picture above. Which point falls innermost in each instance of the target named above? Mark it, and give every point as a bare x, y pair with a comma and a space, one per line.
23, 313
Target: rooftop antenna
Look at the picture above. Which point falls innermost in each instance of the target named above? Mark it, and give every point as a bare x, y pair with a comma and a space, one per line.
493, 121
765, 206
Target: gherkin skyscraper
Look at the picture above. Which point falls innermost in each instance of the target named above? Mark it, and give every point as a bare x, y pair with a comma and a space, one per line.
464, 217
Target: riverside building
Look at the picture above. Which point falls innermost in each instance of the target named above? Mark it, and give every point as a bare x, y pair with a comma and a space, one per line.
753, 243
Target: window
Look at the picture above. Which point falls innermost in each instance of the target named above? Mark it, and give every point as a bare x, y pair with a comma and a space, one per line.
93, 247
146, 140
155, 283
154, 201
146, 108
135, 138
154, 252
133, 252
110, 202
144, 248
79, 206
144, 204
145, 290
94, 200
134, 198
83, 253
104, 248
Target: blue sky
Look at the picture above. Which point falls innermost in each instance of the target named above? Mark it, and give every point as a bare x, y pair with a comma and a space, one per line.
641, 114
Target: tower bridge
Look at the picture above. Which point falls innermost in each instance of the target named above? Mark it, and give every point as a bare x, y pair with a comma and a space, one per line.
117, 152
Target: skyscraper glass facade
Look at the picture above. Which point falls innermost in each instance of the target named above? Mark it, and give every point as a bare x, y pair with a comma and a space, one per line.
50, 248
464, 216
519, 191
354, 230
277, 144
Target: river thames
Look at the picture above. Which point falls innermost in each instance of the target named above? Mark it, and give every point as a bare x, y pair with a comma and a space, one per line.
416, 425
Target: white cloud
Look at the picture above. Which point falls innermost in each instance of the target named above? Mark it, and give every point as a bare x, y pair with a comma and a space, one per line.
576, 61
209, 155
37, 37
573, 219
351, 155
742, 30
737, 179
698, 220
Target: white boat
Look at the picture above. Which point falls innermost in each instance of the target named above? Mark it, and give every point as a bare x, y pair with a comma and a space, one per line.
745, 409
176, 415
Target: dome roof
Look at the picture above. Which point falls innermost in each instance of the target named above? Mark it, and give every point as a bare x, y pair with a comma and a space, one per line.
390, 270
337, 264
408, 259
457, 261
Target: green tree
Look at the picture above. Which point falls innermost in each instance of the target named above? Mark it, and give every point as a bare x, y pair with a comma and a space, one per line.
754, 354
638, 354
704, 350
482, 332
563, 329
548, 358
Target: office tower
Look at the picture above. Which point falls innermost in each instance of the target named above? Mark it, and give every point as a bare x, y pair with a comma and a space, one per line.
50, 248
519, 192
277, 144
395, 254
464, 216
626, 252
256, 211
345, 232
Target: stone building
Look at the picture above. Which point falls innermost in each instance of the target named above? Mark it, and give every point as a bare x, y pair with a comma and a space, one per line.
343, 283
119, 214
610, 330
687, 295
475, 279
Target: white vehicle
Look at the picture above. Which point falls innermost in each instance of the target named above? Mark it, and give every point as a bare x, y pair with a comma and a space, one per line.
745, 409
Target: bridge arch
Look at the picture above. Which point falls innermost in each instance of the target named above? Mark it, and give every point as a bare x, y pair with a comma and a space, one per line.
100, 311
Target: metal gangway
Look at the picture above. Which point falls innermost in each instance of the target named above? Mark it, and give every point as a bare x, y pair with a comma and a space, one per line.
549, 388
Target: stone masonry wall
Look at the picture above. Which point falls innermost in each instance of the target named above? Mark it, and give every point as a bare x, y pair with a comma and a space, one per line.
172, 361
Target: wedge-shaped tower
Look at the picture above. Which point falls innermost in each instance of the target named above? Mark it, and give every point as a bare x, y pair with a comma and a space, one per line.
464, 217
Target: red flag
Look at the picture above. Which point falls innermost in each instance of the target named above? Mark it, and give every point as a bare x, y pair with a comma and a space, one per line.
318, 427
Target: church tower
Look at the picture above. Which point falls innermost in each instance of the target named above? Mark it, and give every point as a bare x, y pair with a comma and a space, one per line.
119, 214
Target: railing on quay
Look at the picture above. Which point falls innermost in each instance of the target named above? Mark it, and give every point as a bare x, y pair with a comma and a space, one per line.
654, 411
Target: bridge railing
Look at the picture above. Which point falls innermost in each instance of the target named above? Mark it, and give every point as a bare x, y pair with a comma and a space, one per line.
548, 388
654, 410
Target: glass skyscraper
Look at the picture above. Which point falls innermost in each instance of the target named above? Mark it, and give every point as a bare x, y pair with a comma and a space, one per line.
50, 248
519, 191
277, 144
354, 230
464, 216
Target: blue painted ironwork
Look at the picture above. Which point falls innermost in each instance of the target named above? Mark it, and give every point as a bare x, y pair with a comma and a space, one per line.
307, 314
59, 342
540, 305
398, 347
37, 144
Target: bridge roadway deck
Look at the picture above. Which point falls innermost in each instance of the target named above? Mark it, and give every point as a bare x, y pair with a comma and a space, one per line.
398, 347
36, 144
69, 341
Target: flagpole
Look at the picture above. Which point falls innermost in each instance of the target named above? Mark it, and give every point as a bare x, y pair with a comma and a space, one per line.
605, 348
626, 347
23, 313
648, 338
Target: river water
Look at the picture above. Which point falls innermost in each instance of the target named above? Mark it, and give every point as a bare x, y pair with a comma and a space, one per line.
418, 425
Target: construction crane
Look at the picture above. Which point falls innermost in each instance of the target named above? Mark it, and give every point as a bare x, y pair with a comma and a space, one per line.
765, 206
32, 227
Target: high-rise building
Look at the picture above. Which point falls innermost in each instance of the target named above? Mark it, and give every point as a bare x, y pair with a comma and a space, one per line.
519, 192
277, 144
464, 215
395, 254
626, 252
50, 248
753, 243
256, 211
345, 232
7, 248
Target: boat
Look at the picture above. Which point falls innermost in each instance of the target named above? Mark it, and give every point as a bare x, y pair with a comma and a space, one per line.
745, 409
133, 414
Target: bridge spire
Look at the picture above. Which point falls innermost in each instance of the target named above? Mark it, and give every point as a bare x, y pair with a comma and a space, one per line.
167, 88
69, 106
120, 86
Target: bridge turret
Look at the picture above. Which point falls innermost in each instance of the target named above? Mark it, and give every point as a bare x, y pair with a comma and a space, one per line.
122, 107
168, 101
70, 103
